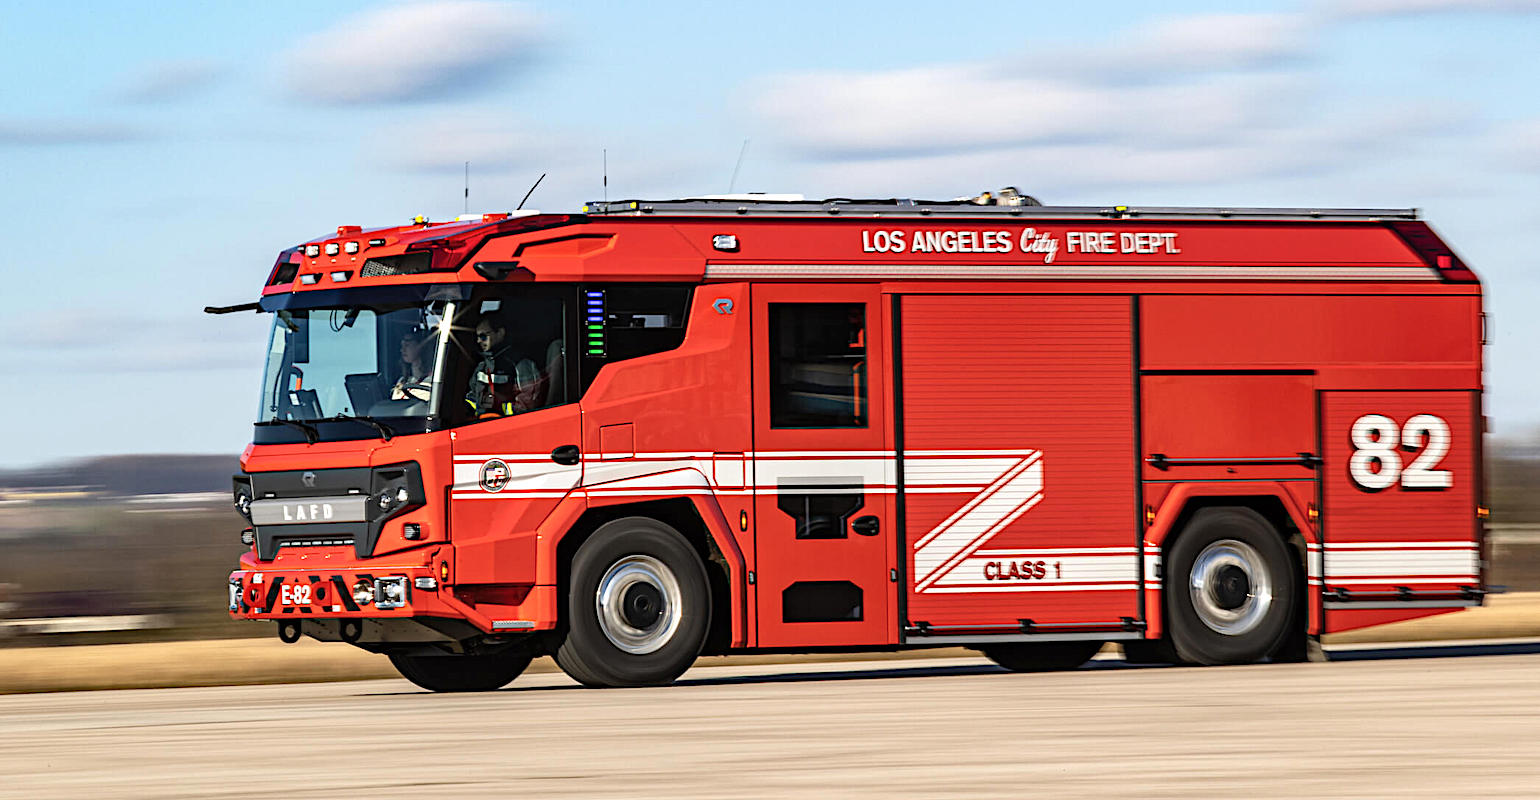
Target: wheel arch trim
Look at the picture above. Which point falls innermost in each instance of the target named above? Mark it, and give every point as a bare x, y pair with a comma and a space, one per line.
1174, 509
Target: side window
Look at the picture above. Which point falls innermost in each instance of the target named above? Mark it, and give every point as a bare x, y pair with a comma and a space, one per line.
516, 352
623, 321
817, 365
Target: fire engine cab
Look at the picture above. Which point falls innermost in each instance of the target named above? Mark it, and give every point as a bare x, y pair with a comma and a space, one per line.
654, 430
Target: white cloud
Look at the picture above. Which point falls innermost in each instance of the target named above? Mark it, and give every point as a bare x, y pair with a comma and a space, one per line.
1396, 8
65, 131
413, 52
1175, 82
954, 109
1220, 98
1204, 41
166, 81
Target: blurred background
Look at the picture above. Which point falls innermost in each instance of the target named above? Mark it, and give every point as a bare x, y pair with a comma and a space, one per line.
155, 161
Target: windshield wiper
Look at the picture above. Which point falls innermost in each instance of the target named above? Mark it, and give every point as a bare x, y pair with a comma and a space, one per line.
310, 433
383, 429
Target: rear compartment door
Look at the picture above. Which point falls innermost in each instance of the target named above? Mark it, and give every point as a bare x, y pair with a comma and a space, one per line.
1400, 497
1019, 463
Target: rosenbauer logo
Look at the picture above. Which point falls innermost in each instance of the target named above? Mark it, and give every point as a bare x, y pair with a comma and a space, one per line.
494, 475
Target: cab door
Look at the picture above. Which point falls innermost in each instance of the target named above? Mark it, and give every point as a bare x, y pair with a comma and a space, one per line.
824, 470
511, 470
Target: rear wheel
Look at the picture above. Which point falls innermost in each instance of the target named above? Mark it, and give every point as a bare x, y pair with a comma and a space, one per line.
1041, 656
462, 673
638, 608
1231, 592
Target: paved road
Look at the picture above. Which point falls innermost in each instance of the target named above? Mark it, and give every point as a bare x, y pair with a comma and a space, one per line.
1430, 722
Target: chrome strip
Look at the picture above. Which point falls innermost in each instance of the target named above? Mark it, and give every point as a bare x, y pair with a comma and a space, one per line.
309, 510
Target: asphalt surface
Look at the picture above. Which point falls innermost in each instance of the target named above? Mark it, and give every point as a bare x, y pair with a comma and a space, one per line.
1427, 721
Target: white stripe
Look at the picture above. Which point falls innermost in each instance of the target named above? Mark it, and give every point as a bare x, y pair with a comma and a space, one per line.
1103, 587
521, 477
1465, 545
481, 495
979, 521
510, 458
967, 507
1343, 566
1405, 580
1057, 551
822, 454
963, 271
908, 454
847, 471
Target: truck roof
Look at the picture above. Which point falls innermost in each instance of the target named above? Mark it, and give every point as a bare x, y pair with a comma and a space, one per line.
1008, 236
983, 206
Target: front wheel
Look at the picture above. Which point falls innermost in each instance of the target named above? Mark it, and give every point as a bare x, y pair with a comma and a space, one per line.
462, 673
1231, 588
1041, 656
638, 607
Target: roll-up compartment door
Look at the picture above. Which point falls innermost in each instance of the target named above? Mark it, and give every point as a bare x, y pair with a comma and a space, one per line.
1019, 462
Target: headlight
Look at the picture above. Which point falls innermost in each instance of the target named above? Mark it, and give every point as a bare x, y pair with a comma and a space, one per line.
390, 592
363, 593
394, 489
243, 493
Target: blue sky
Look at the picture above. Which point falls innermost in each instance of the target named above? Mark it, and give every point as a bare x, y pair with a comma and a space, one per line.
156, 157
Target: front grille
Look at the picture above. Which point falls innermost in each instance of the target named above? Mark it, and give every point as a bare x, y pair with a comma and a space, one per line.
404, 264
317, 541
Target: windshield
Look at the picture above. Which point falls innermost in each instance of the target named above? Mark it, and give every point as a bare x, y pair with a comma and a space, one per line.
384, 362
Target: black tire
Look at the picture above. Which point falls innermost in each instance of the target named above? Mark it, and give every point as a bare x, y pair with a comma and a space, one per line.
638, 606
1041, 656
462, 673
1244, 604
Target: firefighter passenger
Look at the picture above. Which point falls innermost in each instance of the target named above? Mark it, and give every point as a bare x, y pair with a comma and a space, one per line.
503, 383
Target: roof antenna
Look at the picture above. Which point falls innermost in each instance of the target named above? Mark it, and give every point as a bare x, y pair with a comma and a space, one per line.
734, 180
530, 192
605, 154
467, 187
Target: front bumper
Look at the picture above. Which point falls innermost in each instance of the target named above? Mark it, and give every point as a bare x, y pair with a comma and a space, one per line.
286, 594
289, 594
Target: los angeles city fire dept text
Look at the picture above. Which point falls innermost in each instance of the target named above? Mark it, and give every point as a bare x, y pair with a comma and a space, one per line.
1029, 240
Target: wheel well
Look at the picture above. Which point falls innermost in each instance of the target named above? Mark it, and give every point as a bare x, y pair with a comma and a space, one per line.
1271, 509
680, 514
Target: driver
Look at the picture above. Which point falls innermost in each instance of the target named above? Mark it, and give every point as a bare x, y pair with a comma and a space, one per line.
416, 367
503, 383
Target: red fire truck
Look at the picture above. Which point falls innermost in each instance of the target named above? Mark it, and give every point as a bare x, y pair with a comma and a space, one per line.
655, 430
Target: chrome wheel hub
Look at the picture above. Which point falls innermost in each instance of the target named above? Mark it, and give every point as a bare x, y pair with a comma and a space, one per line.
1230, 587
638, 604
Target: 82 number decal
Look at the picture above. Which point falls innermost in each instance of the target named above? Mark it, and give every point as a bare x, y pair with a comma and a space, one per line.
1376, 462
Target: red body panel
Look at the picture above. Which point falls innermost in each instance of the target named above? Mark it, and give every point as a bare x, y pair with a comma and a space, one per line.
1022, 374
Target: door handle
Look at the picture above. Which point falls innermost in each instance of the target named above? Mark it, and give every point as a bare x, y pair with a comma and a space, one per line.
866, 526
566, 455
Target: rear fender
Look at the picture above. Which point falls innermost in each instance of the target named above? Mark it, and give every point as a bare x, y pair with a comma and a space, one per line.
1171, 511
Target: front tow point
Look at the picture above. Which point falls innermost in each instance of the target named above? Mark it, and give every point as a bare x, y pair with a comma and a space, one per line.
288, 632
